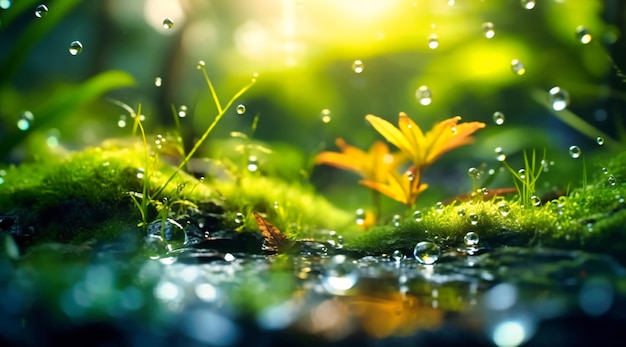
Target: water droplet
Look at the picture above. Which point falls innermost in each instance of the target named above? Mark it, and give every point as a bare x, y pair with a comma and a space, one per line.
535, 200
575, 152
461, 212
397, 255
168, 23
504, 209
253, 163
2, 174
484, 190
182, 111
583, 35
140, 173
239, 218
52, 139
605, 170
474, 173
439, 206
426, 252
558, 98
410, 176
600, 140
121, 122
528, 4
200, 65
360, 216
335, 239
500, 155
488, 30
41, 11
612, 180
521, 173
498, 118
473, 218
396, 220
159, 141
471, 239
5, 4
424, 95
75, 48
417, 215
241, 109
340, 274
325, 116
433, 41
24, 122
518, 67
157, 82
357, 66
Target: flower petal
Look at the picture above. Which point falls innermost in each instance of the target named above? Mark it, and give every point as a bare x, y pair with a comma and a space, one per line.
390, 133
341, 161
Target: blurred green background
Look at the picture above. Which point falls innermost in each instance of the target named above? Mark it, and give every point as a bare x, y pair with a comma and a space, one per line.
304, 54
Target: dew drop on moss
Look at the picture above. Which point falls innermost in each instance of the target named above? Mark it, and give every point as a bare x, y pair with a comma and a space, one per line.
612, 180
461, 212
426, 252
41, 11
433, 41
558, 98
241, 109
600, 140
518, 67
25, 120
583, 35
471, 239
528, 4
488, 30
535, 200
75, 48
396, 220
473, 218
439, 206
504, 208
168, 23
575, 152
239, 218
498, 118
424, 95
357, 66
325, 116
417, 216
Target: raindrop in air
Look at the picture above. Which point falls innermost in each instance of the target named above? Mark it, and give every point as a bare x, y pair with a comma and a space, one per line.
41, 11
583, 35
518, 67
488, 30
504, 209
558, 98
535, 200
340, 274
600, 140
253, 163
471, 239
396, 220
182, 111
474, 173
357, 66
575, 152
424, 95
168, 23
433, 41
360, 216
121, 122
75, 47
528, 4
417, 216
25, 120
500, 155
241, 109
498, 118
200, 65
157, 82
426, 252
325, 116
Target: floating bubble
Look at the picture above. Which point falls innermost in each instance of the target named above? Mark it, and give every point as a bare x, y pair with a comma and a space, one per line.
140, 173
241, 109
518, 67
528, 4
182, 111
200, 65
558, 98
424, 95
426, 252
612, 180
325, 116
575, 152
433, 41
253, 163
25, 120
535, 200
157, 82
488, 30
439, 206
500, 155
360, 216
5, 4
600, 140
417, 216
605, 170
521, 173
75, 48
474, 173
239, 218
396, 220
471, 239
41, 11
583, 35
340, 274
168, 23
473, 218
504, 208
498, 118
357, 66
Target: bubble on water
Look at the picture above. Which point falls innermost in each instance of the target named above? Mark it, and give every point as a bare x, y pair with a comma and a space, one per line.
575, 152
325, 116
397, 255
168, 23
612, 180
426, 252
498, 118
424, 95
500, 155
488, 30
433, 41
41, 11
583, 35
25, 120
357, 66
528, 4
182, 111
340, 274
5, 4
600, 140
439, 206
360, 216
471, 239
473, 172
396, 220
504, 208
473, 218
558, 98
157, 81
518, 67
521, 173
253, 164
535, 200
241, 109
417, 216
75, 48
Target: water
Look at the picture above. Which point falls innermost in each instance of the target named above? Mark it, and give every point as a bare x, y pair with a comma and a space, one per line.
518, 67
41, 11
417, 216
424, 95
498, 118
182, 111
325, 116
600, 140
426, 252
471, 239
473, 173
575, 152
583, 35
500, 155
488, 30
75, 48
157, 82
558, 98
241, 109
357, 66
528, 4
168, 23
504, 208
25, 120
433, 41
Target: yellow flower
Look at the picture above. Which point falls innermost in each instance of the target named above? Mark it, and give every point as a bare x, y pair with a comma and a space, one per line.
423, 149
372, 165
401, 187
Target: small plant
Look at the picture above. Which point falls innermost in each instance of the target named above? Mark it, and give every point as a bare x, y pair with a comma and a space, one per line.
526, 179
